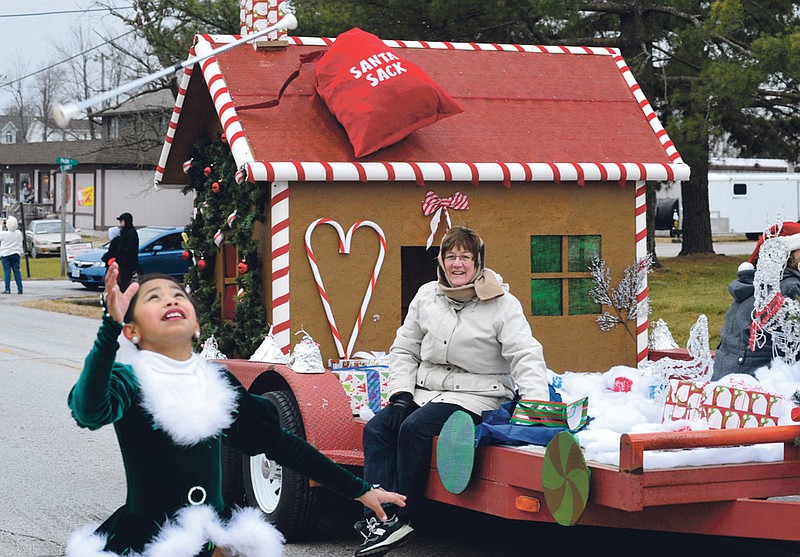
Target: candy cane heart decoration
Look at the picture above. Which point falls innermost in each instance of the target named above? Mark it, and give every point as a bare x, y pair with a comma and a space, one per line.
344, 248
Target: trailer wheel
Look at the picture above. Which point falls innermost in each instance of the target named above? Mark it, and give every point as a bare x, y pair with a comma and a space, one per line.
232, 484
283, 495
752, 235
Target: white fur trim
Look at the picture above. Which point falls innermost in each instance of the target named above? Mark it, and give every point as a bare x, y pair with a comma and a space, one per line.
793, 242
746, 266
246, 534
84, 542
190, 401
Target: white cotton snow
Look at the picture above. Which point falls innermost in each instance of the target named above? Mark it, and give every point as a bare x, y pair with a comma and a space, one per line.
639, 410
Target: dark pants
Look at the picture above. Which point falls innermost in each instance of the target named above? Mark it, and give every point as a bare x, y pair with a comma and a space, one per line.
400, 461
11, 264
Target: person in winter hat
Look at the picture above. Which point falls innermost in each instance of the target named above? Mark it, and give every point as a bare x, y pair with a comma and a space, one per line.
126, 251
465, 345
733, 354
12, 241
172, 410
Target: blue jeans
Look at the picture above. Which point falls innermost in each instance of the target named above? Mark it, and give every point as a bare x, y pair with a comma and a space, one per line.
11, 263
400, 461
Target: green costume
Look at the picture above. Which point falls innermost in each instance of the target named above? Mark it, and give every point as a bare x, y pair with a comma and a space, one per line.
171, 419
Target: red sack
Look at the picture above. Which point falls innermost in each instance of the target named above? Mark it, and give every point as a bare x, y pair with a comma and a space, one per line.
377, 96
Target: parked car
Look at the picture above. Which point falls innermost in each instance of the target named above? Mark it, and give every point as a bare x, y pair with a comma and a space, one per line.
160, 251
44, 237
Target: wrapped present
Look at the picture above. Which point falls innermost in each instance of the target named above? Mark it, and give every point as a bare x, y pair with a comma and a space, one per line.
552, 414
731, 407
684, 400
367, 386
334, 365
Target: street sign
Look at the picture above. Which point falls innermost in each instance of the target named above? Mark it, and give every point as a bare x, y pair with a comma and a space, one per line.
66, 163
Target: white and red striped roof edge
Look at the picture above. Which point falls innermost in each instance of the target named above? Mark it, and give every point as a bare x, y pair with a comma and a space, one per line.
475, 172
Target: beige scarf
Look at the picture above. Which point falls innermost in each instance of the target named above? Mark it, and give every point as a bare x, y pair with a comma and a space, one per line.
484, 285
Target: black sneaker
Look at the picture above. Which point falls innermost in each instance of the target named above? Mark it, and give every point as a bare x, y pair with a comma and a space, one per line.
383, 536
364, 527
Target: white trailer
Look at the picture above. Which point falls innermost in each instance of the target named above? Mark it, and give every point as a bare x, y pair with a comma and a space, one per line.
749, 202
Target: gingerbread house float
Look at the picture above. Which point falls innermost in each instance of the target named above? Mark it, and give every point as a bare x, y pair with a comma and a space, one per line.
548, 162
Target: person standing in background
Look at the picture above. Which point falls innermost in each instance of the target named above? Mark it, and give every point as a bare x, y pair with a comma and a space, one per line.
11, 241
113, 245
127, 252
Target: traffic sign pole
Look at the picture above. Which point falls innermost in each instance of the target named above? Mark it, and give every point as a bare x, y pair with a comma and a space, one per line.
65, 164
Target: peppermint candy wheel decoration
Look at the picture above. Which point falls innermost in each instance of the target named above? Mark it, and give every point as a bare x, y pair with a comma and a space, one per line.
344, 248
565, 479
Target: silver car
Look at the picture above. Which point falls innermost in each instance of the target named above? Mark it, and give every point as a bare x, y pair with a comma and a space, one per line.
44, 237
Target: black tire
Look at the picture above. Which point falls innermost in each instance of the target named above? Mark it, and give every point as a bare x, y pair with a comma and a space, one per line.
283, 495
232, 486
753, 235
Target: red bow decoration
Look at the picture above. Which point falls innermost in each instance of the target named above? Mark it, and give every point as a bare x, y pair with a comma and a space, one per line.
433, 204
761, 318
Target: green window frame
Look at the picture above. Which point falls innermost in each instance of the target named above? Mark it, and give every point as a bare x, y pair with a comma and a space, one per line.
561, 277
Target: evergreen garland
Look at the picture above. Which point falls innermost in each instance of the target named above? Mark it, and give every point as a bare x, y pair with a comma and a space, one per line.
240, 338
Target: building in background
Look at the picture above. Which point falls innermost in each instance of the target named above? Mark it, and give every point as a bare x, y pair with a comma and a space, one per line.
114, 173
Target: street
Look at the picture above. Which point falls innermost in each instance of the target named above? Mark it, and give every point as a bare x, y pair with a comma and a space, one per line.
55, 477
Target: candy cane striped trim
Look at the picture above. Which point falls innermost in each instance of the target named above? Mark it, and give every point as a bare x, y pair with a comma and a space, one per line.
223, 104
641, 251
279, 234
647, 109
173, 123
435, 45
504, 172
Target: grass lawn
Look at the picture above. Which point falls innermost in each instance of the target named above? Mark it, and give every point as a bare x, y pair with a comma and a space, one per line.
685, 287
43, 267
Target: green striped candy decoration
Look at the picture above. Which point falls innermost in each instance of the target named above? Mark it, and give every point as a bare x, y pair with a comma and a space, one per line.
565, 479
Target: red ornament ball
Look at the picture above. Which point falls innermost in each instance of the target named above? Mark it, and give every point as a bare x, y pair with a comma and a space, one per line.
207, 170
215, 187
224, 139
201, 264
242, 267
186, 255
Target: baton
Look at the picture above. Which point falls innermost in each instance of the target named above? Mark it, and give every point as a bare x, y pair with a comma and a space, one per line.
62, 114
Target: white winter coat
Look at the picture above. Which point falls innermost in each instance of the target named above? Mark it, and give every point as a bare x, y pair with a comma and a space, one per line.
474, 353
11, 240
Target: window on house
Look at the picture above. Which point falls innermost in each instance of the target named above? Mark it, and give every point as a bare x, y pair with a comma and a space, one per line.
9, 137
561, 278
113, 128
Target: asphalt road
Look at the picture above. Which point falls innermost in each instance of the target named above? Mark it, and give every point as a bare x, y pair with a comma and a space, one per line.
55, 477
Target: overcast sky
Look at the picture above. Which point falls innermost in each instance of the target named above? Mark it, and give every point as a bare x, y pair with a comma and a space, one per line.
30, 37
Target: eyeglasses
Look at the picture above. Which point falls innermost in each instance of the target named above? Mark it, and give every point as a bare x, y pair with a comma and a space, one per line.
464, 257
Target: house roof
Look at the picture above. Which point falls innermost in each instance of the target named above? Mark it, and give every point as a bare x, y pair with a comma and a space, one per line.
151, 101
85, 152
530, 113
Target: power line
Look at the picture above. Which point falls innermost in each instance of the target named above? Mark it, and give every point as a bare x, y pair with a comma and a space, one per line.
86, 10
51, 66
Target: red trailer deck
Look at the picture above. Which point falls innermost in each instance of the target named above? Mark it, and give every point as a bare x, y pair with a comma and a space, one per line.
726, 500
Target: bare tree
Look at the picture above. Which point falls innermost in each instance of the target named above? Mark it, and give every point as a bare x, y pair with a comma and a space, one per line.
20, 107
47, 86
